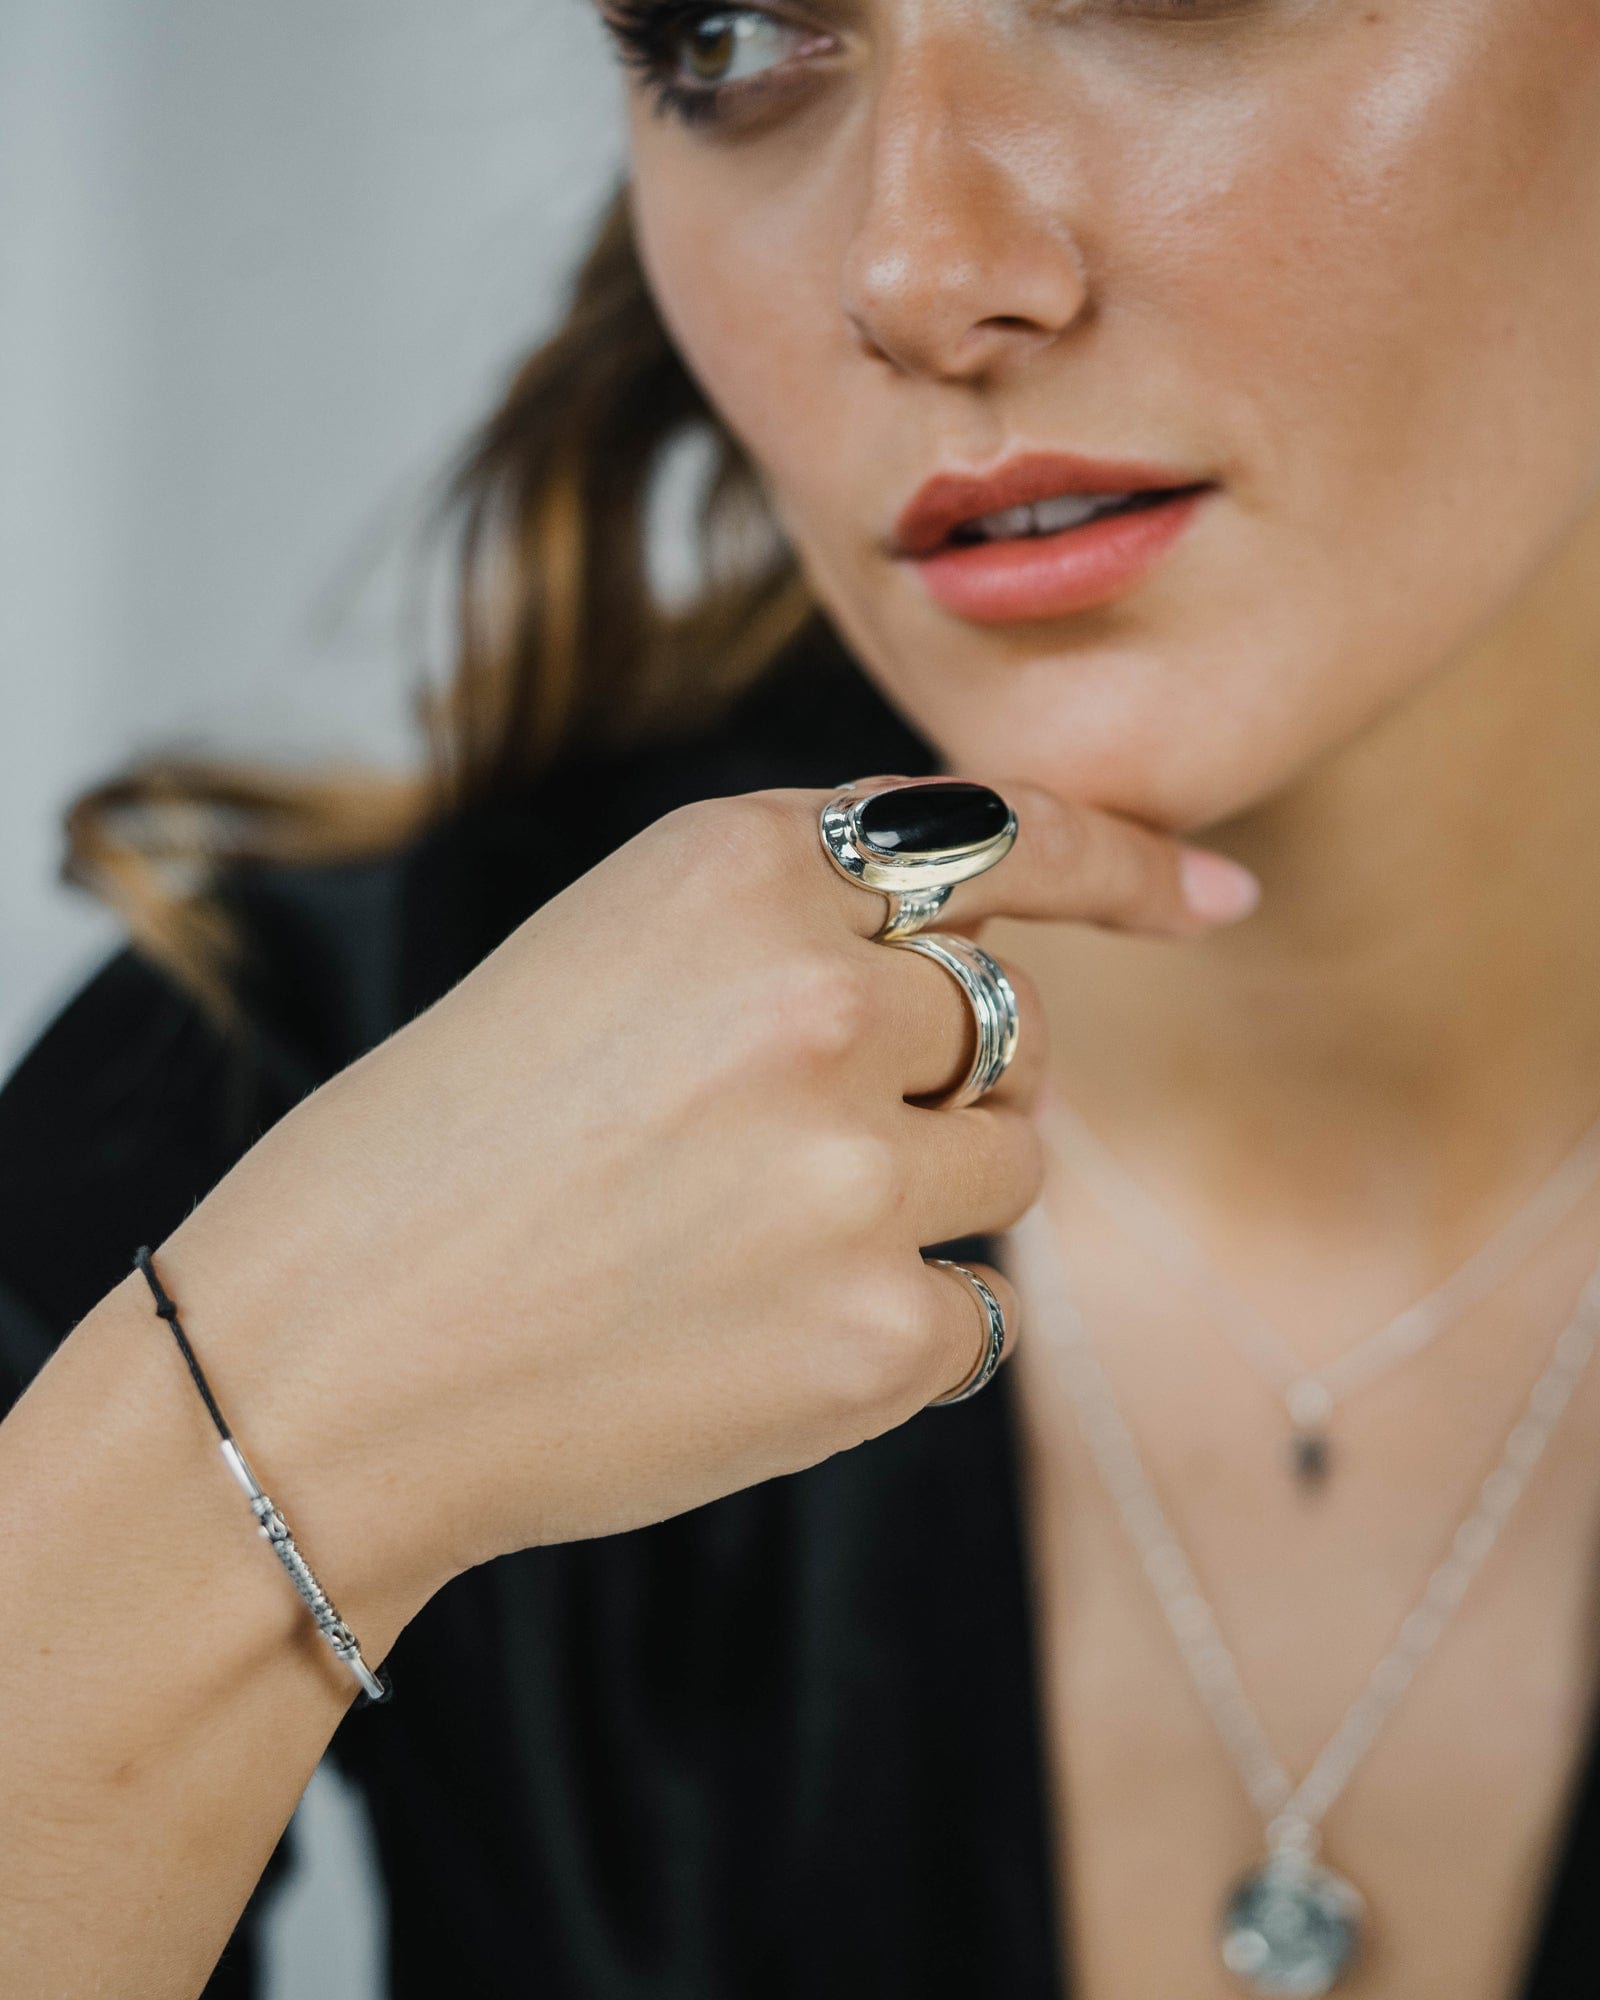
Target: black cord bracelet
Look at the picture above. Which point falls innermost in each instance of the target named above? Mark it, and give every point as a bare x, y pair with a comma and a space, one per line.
376, 1686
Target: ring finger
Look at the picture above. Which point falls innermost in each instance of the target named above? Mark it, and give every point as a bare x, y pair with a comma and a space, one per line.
930, 1022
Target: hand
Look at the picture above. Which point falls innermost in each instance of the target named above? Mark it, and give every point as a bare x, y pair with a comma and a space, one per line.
632, 1216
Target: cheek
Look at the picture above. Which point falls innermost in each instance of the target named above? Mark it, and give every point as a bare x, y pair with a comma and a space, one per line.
1415, 327
745, 289
1388, 273
1378, 282
1363, 284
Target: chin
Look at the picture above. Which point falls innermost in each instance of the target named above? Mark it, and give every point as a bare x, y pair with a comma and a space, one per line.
1180, 790
1174, 750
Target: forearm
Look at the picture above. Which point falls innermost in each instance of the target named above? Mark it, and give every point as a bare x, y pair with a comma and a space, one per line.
164, 1694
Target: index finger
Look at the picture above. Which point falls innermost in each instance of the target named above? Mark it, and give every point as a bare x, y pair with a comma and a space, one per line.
1074, 860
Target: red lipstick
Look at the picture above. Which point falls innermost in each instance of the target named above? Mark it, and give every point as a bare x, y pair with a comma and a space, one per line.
1052, 564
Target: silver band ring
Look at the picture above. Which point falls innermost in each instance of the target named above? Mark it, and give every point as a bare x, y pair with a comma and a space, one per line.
994, 1338
916, 848
993, 1000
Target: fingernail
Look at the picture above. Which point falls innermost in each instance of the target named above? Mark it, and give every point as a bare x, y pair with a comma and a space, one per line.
1215, 887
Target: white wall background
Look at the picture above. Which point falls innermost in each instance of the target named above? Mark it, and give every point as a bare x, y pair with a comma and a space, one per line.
260, 266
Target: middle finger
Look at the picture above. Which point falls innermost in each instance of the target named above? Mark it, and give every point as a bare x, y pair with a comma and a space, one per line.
928, 1033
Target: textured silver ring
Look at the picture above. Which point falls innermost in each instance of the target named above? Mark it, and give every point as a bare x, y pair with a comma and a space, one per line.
993, 1000
994, 1335
915, 840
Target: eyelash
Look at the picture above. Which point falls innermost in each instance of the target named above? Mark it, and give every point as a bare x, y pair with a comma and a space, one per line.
645, 31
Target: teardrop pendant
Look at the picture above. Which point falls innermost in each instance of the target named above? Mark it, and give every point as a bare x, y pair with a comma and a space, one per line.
1310, 1454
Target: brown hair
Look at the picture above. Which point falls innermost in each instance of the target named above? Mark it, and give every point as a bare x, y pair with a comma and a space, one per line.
562, 641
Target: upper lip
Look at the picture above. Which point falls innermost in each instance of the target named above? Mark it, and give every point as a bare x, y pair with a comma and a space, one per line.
943, 502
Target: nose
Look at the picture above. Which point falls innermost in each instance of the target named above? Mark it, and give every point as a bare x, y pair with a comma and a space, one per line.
963, 254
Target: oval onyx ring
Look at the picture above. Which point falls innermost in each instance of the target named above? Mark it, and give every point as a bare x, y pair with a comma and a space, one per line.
915, 840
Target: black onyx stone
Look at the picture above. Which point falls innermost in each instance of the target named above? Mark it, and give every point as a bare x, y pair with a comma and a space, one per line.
932, 819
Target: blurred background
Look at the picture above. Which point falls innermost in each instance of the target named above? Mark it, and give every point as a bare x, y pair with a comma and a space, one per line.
260, 269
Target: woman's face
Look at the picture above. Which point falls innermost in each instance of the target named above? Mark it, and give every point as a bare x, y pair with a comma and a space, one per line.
1340, 259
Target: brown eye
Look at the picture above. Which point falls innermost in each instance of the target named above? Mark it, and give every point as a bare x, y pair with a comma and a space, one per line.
711, 46
698, 57
728, 46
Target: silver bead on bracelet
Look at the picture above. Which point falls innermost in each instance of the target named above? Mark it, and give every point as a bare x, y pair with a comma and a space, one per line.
274, 1528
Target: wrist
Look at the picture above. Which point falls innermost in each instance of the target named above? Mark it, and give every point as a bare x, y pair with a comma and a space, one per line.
292, 1432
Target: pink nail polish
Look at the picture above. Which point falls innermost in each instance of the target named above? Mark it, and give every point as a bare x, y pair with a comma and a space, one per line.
1215, 887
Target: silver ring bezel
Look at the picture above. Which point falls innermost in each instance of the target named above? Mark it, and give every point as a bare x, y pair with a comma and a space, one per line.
845, 847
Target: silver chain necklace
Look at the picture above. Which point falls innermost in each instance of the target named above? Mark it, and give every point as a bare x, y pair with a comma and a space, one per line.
1291, 1927
1310, 1395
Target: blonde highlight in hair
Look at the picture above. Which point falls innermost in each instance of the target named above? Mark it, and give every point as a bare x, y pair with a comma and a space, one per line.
562, 641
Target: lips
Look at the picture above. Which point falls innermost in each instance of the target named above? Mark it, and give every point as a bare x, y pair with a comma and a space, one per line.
950, 499
1022, 563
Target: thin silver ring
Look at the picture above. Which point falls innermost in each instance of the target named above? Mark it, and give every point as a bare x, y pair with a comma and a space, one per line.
994, 1335
917, 886
993, 1000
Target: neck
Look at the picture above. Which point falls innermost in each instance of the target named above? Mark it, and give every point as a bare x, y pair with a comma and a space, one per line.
1406, 1035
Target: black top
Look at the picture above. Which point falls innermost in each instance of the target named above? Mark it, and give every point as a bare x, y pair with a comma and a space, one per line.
787, 1744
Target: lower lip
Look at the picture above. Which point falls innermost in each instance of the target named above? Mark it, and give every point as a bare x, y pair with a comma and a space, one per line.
1051, 576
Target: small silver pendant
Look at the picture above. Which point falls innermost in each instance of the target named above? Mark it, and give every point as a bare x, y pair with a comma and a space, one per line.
1292, 1928
1309, 1456
1310, 1408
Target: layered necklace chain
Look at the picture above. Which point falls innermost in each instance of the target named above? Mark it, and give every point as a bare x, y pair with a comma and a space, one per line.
1292, 1926
1311, 1395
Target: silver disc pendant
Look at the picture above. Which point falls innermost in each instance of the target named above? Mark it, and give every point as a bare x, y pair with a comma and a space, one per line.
1292, 1928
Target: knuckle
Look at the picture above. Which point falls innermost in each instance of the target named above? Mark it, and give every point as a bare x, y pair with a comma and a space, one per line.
1110, 859
825, 1005
738, 839
847, 1183
1022, 1165
889, 1339
1141, 875
684, 828
1058, 830
811, 1011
